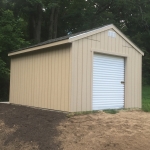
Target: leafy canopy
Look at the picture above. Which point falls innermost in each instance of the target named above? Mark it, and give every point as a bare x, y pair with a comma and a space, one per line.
11, 38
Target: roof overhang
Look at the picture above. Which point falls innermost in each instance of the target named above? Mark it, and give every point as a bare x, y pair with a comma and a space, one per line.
39, 47
80, 36
77, 37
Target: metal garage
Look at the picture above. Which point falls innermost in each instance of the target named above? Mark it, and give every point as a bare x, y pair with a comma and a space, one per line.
92, 70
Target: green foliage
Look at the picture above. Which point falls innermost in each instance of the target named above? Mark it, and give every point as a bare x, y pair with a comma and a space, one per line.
146, 69
18, 20
11, 38
3, 70
4, 88
146, 99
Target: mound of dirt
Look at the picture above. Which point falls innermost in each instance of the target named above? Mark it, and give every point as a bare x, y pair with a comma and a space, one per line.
101, 131
24, 128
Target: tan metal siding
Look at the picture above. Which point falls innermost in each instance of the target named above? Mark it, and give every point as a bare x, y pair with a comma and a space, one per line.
42, 78
82, 53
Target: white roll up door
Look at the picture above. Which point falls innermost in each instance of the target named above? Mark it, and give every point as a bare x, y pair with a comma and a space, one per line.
108, 78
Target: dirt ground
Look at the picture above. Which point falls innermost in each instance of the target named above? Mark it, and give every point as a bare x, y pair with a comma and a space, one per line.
24, 128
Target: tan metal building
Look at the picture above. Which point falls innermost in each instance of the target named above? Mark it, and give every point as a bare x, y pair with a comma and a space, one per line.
92, 70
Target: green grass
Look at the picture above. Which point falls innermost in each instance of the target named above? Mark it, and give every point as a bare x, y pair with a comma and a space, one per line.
81, 113
111, 111
145, 105
146, 99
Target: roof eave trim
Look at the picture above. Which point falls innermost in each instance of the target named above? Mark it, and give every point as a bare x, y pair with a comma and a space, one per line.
83, 35
128, 40
111, 26
39, 47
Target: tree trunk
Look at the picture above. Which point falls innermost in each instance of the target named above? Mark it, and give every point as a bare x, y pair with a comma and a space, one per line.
34, 24
56, 22
53, 23
50, 35
31, 26
37, 21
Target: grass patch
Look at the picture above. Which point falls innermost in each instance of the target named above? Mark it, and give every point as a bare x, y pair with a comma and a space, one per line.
146, 99
111, 111
145, 105
81, 113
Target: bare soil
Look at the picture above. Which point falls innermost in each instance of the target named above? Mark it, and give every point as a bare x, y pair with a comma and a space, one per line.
24, 128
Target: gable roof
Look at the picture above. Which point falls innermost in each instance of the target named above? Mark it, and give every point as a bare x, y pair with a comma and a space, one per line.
73, 37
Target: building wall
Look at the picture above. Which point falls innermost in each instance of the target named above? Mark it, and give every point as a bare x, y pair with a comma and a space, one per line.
42, 78
82, 60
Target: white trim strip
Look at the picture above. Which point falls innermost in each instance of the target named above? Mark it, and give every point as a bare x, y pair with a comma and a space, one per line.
77, 37
125, 38
82, 34
4, 102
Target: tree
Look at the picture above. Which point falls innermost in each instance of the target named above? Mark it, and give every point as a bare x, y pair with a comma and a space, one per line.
33, 21
11, 38
41, 17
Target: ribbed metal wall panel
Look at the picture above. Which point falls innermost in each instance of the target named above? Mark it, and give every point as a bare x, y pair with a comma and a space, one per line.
42, 78
108, 73
82, 69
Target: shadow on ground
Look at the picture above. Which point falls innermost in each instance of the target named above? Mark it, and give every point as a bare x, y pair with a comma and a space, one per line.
34, 125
